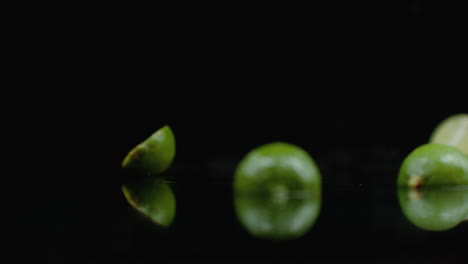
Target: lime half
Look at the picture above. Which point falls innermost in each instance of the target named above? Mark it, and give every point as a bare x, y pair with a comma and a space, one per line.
154, 155
453, 131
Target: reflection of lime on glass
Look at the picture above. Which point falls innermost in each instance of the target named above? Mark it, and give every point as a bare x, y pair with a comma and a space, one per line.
277, 191
277, 167
434, 165
434, 209
452, 131
154, 200
277, 216
154, 155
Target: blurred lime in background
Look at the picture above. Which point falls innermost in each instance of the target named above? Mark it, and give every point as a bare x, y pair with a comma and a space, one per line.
452, 131
277, 191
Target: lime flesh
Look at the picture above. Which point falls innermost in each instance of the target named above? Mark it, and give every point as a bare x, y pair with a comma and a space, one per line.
452, 131
154, 155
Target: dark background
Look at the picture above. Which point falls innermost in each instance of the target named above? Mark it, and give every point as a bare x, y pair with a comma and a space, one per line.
358, 86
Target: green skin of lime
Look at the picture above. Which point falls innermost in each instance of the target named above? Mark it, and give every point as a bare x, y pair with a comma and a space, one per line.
154, 200
277, 165
434, 209
277, 218
154, 155
434, 165
277, 190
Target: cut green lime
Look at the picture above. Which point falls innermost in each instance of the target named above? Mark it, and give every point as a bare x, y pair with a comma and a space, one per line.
154, 200
154, 155
434, 209
452, 131
434, 165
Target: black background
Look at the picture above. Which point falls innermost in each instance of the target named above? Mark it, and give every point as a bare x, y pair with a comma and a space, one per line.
358, 86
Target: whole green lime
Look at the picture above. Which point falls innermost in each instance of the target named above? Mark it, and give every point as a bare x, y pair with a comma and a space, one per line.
434, 165
434, 209
277, 191
452, 131
154, 155
276, 167
154, 200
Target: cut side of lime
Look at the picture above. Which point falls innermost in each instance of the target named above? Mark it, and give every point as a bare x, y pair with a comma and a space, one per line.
452, 131
154, 155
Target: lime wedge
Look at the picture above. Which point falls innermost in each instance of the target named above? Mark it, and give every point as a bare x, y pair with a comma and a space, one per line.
154, 155
452, 131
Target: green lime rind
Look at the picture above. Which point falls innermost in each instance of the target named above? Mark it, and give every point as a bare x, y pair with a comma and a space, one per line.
434, 165
154, 200
277, 217
275, 166
452, 131
434, 209
154, 155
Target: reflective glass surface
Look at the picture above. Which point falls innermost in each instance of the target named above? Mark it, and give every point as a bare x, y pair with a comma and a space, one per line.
185, 219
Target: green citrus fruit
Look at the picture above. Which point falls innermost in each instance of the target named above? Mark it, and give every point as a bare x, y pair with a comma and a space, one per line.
452, 131
154, 155
277, 191
434, 165
434, 209
154, 200
277, 166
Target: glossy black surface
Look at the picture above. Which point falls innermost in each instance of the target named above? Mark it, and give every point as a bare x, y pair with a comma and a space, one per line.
356, 222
